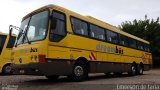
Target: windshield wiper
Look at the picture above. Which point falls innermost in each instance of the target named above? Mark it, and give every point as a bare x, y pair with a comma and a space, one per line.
25, 36
20, 34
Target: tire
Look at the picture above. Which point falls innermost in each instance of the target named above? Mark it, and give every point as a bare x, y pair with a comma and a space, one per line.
52, 77
6, 70
132, 71
140, 70
79, 72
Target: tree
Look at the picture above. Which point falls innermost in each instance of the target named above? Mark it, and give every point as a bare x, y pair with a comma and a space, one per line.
148, 29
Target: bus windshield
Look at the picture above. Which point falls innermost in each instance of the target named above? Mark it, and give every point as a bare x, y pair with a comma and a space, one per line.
33, 28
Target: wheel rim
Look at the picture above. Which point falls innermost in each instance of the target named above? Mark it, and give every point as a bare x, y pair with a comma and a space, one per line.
140, 70
78, 71
7, 69
133, 69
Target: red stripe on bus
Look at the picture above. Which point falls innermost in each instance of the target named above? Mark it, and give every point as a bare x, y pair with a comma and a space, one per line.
93, 56
90, 57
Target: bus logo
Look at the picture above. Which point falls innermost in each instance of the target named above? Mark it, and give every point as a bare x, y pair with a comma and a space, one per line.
91, 56
33, 50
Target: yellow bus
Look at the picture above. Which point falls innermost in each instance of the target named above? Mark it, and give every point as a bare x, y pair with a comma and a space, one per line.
54, 41
6, 44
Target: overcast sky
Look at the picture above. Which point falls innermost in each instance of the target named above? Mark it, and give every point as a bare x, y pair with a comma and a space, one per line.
111, 11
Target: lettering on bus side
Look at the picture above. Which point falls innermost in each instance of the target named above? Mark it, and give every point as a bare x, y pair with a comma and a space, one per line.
104, 48
28, 50
33, 50
25, 51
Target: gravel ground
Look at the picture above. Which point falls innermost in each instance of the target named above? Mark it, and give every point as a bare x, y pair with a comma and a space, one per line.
149, 81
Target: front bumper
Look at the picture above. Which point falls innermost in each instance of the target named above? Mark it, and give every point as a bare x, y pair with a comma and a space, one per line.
27, 69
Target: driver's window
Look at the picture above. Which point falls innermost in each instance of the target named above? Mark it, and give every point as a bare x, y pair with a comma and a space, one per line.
58, 26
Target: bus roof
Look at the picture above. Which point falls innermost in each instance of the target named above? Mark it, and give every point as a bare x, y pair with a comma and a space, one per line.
88, 19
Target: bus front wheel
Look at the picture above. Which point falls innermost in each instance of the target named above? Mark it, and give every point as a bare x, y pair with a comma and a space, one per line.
79, 72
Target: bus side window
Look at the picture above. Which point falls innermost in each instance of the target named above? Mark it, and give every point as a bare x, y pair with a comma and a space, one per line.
79, 27
97, 32
123, 40
140, 45
112, 36
58, 27
132, 43
146, 48
92, 34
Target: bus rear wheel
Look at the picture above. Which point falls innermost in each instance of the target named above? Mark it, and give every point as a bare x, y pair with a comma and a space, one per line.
132, 71
140, 70
6, 70
52, 77
79, 72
